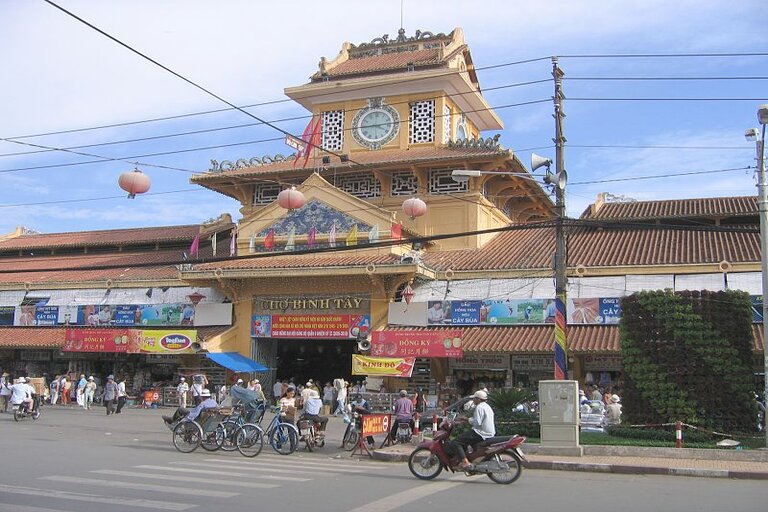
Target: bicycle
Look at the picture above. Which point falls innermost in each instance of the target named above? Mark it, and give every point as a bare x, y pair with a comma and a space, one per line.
282, 436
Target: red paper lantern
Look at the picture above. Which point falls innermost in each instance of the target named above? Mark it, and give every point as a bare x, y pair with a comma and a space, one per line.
407, 294
414, 207
291, 199
134, 182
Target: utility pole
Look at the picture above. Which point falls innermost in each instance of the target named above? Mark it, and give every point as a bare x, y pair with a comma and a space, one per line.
561, 279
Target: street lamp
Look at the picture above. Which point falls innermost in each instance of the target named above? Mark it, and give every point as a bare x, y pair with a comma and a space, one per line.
762, 205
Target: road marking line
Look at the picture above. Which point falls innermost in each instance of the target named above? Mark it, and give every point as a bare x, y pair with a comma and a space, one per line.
218, 473
403, 498
190, 479
94, 498
142, 487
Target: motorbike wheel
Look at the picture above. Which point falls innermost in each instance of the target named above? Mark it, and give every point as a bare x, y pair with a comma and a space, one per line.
187, 436
424, 464
512, 461
284, 439
249, 440
212, 441
229, 442
351, 437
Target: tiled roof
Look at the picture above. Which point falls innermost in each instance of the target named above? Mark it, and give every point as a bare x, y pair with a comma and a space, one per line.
103, 237
341, 259
589, 246
532, 338
676, 208
387, 61
32, 337
373, 159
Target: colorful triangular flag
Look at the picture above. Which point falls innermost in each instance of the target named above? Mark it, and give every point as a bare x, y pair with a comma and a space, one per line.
332, 236
214, 243
396, 232
290, 244
252, 244
195, 247
373, 234
269, 240
311, 237
352, 236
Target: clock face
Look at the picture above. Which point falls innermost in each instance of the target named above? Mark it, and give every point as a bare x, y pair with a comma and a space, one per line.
376, 125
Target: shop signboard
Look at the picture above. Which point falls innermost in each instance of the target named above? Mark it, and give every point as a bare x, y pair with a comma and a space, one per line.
132, 341
382, 366
481, 362
435, 343
375, 424
311, 317
524, 363
603, 362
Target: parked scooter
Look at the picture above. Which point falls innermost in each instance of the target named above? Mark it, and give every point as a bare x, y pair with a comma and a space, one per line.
498, 457
21, 411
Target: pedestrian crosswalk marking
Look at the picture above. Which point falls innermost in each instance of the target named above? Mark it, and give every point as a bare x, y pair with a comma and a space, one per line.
140, 487
95, 498
218, 473
185, 479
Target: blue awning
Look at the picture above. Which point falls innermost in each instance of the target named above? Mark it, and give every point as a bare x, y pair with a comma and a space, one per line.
236, 362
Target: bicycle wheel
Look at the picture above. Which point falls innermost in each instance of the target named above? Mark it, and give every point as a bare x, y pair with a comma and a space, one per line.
212, 441
284, 439
229, 443
249, 440
351, 437
187, 436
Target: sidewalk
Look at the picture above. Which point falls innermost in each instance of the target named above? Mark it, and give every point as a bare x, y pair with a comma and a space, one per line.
635, 460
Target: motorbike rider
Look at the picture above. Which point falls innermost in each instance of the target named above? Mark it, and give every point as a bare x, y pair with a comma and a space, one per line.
482, 428
21, 393
403, 413
312, 407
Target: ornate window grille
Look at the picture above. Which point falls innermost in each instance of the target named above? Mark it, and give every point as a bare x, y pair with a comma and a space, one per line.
422, 122
333, 130
265, 193
447, 132
441, 182
404, 184
364, 186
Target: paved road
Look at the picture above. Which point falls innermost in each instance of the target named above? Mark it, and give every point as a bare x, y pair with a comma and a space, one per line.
80, 461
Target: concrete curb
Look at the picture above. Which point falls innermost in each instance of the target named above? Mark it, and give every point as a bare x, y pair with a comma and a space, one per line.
400, 455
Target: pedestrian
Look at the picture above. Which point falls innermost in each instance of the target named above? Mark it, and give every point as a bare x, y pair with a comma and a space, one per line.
80, 391
277, 390
5, 391
110, 394
122, 395
181, 391
55, 389
90, 392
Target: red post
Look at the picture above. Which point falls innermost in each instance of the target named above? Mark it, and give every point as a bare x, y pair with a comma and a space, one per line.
678, 434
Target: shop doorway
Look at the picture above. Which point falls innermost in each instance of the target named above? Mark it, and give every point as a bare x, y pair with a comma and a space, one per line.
320, 360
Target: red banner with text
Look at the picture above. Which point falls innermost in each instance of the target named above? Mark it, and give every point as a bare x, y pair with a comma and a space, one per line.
438, 343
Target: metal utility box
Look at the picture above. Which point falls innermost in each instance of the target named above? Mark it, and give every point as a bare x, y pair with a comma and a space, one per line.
559, 416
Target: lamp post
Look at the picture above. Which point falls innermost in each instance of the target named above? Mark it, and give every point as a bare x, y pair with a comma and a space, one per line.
762, 206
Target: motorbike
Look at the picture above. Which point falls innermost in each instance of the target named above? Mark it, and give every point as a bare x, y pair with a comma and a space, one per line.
500, 458
21, 411
310, 434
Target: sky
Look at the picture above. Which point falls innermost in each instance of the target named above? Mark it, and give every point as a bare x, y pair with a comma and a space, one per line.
680, 117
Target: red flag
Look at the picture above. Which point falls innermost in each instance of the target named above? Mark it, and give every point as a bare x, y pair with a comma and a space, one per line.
269, 240
314, 140
305, 137
195, 247
397, 232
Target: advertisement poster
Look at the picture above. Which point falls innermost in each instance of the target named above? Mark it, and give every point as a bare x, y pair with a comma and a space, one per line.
310, 326
382, 366
375, 424
132, 341
439, 343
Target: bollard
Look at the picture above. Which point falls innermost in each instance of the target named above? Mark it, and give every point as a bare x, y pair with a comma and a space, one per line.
678, 434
